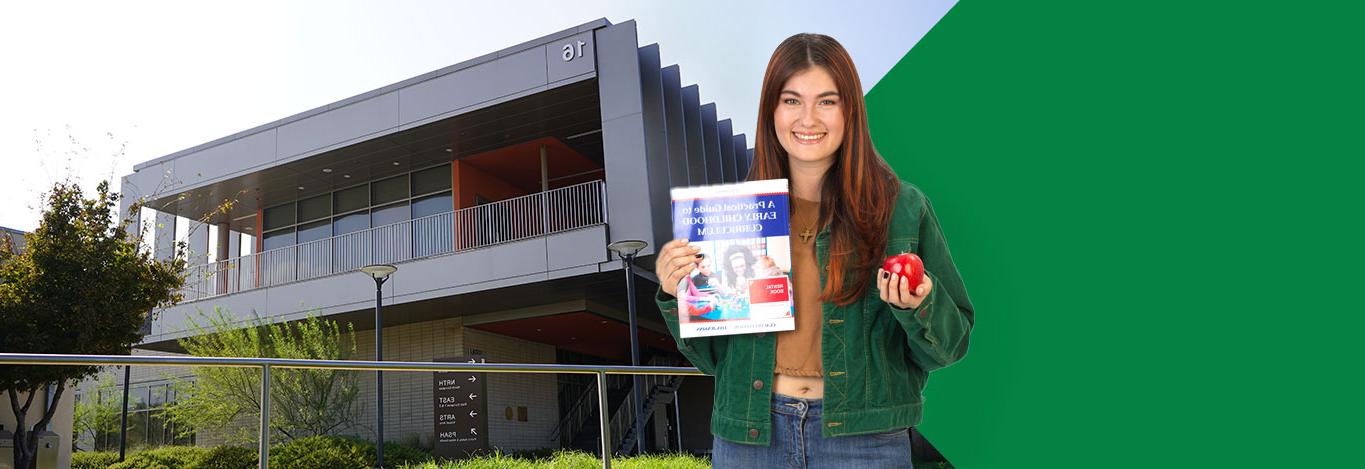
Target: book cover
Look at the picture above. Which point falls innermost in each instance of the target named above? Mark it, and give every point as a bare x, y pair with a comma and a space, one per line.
743, 282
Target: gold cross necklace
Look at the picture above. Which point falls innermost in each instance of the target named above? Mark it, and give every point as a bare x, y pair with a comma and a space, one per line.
809, 232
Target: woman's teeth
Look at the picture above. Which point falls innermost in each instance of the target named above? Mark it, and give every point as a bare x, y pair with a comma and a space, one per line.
808, 138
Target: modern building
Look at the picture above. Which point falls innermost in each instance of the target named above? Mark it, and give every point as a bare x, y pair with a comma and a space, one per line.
494, 185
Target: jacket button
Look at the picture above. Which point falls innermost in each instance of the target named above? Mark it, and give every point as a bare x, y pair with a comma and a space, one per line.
758, 384
753, 433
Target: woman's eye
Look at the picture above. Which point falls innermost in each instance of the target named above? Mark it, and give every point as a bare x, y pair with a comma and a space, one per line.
829, 102
791, 101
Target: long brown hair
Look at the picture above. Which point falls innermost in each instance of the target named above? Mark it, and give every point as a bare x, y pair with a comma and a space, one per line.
858, 194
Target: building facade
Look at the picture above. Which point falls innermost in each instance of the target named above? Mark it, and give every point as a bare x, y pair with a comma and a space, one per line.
494, 185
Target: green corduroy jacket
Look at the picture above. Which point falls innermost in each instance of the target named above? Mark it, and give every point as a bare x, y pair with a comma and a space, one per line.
876, 357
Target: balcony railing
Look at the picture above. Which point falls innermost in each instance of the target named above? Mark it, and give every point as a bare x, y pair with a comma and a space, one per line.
540, 214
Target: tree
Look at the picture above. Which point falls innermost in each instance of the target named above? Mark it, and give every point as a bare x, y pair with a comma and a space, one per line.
81, 285
97, 414
303, 402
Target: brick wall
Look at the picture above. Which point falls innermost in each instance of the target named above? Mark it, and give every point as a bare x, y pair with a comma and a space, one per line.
537, 392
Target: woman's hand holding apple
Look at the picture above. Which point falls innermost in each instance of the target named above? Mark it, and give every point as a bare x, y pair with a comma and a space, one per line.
902, 281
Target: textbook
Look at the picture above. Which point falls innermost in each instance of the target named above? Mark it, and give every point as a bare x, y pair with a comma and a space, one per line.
742, 284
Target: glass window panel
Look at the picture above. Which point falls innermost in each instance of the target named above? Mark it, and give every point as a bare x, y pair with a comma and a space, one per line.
431, 180
279, 216
156, 429
279, 239
391, 189
431, 205
388, 215
350, 223
315, 208
346, 200
137, 428
158, 395
315, 231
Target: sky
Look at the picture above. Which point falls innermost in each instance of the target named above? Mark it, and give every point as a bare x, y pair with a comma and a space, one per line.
89, 89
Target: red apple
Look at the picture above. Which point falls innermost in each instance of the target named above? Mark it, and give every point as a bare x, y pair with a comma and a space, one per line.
906, 265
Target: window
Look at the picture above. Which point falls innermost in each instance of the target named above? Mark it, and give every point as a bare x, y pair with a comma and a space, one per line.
432, 204
431, 180
351, 223
314, 231
390, 214
279, 239
391, 189
349, 200
147, 427
315, 208
383, 202
279, 216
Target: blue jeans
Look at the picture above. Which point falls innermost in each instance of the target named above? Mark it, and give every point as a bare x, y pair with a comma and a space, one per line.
796, 443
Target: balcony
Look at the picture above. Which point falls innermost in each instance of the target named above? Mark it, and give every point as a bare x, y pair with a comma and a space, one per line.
530, 216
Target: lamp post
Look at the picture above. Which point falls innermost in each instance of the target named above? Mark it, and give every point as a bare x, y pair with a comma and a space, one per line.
627, 249
380, 273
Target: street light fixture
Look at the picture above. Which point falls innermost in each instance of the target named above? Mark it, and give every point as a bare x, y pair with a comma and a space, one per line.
380, 273
627, 249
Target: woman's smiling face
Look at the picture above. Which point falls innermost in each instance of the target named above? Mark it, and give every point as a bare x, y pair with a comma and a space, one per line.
809, 118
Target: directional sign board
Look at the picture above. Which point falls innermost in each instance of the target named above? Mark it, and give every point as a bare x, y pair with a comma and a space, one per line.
461, 411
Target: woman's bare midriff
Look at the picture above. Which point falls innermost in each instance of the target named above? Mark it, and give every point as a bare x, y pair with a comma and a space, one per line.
805, 387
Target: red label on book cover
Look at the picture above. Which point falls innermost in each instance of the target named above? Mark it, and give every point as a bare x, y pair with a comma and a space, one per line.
768, 290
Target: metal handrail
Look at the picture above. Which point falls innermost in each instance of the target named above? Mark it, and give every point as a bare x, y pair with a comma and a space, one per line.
577, 415
625, 421
266, 364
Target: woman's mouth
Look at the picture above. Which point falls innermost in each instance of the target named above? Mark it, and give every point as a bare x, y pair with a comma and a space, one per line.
808, 138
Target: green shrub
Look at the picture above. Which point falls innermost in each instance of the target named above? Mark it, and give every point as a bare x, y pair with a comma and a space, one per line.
93, 459
325, 452
227, 457
166, 457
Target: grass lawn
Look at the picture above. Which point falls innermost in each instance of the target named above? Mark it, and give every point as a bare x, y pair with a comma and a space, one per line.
574, 460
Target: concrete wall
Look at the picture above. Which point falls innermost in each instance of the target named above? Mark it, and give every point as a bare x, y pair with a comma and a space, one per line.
408, 395
61, 423
471, 181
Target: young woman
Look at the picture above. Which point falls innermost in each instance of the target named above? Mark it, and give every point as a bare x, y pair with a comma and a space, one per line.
844, 387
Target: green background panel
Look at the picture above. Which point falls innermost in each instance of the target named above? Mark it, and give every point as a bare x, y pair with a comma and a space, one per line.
1156, 208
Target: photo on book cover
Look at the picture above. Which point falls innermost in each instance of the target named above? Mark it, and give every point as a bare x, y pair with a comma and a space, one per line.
743, 281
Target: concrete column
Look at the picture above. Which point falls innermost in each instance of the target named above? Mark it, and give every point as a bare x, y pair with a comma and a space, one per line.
163, 243
222, 245
198, 240
544, 169
222, 251
234, 244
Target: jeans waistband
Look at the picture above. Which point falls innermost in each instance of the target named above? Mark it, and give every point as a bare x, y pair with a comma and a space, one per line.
783, 404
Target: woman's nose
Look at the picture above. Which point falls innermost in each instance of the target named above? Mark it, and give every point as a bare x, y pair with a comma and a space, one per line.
807, 118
